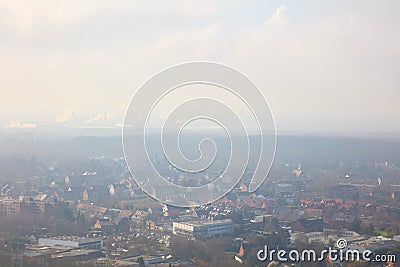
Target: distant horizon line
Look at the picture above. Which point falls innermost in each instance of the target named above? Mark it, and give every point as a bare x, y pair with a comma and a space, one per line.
117, 130
116, 125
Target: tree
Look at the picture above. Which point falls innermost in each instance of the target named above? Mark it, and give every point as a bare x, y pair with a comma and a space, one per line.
141, 262
356, 225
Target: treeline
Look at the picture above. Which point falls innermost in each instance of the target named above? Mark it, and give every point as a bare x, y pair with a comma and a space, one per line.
61, 222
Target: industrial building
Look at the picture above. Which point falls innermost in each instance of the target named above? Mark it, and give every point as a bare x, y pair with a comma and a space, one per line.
72, 241
203, 228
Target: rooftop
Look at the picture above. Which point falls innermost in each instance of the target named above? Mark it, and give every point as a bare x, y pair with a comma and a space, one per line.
201, 223
73, 239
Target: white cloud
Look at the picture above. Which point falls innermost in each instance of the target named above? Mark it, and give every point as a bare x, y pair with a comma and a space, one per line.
311, 64
23, 19
280, 17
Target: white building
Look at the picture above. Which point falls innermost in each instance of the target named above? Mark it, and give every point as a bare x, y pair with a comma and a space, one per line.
71, 241
203, 228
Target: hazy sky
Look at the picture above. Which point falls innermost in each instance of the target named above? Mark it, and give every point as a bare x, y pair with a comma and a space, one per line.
323, 66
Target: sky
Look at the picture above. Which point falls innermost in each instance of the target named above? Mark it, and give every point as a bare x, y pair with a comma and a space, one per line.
329, 66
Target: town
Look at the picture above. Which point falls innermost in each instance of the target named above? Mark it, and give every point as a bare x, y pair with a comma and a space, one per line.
93, 214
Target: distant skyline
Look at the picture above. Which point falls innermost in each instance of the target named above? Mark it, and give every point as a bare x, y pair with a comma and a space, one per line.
323, 68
